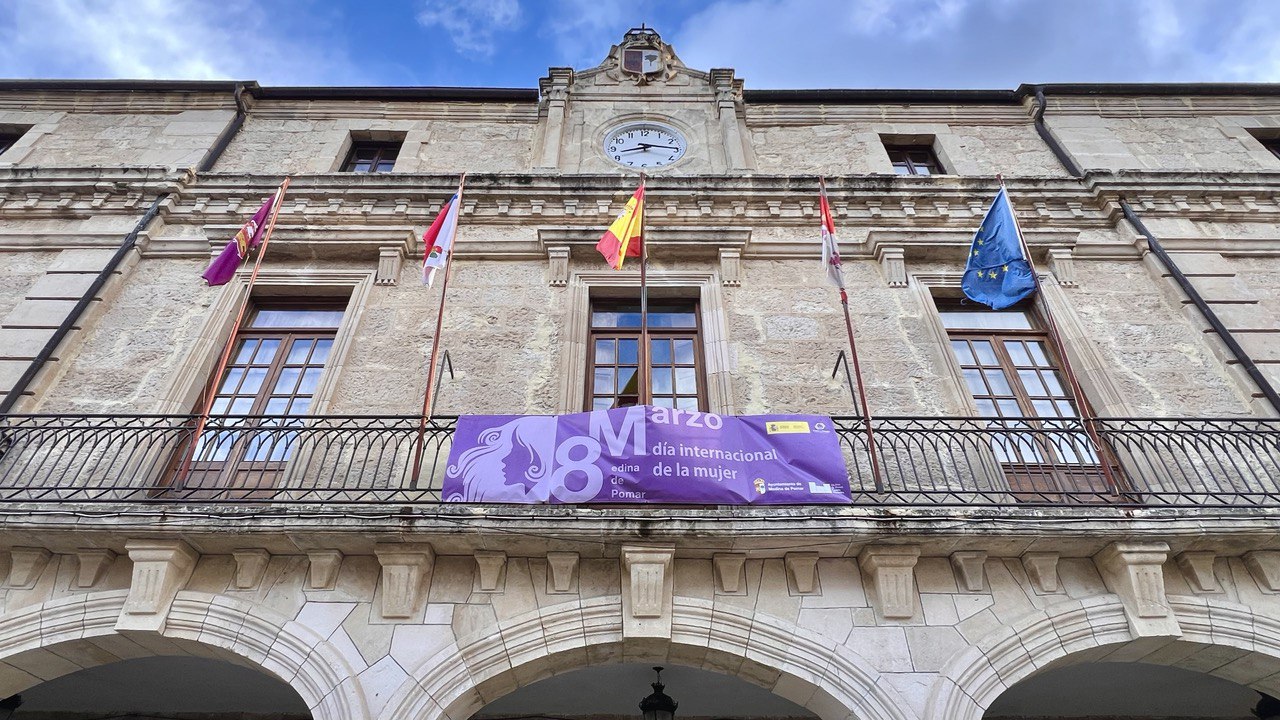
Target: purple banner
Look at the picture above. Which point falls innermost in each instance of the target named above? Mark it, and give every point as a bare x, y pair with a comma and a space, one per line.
646, 454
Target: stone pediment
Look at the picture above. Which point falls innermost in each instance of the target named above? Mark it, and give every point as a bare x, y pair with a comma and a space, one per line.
641, 59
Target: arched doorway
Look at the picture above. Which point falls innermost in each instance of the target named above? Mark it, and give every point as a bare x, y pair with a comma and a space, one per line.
615, 691
160, 686
1124, 690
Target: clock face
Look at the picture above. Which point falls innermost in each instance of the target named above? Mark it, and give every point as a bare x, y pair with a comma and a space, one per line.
645, 144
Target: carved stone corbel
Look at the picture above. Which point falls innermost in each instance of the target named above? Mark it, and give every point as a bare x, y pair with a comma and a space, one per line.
558, 260
1063, 266
730, 267
970, 569
803, 569
406, 571
390, 258
93, 563
1133, 570
251, 565
491, 568
893, 263
646, 591
1042, 571
160, 569
561, 567
1264, 566
323, 573
1197, 568
892, 571
728, 567
26, 565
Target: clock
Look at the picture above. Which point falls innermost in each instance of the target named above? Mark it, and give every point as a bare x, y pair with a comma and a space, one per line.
644, 145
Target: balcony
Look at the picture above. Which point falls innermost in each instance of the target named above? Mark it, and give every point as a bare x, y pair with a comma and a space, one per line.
924, 461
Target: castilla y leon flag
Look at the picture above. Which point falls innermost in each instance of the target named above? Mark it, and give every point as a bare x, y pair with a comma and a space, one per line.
830, 246
438, 239
624, 238
224, 267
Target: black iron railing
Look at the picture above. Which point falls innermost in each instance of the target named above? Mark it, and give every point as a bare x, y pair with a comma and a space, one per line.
363, 459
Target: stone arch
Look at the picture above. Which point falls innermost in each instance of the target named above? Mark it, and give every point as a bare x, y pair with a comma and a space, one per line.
1090, 629
829, 679
210, 626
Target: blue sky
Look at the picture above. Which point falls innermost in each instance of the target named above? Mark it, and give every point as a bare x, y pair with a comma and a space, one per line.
771, 43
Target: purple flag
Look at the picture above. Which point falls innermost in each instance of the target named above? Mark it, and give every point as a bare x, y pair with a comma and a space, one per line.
646, 454
224, 267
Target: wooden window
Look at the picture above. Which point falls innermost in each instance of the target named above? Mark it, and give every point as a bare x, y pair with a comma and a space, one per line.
675, 370
1011, 371
913, 160
267, 387
371, 157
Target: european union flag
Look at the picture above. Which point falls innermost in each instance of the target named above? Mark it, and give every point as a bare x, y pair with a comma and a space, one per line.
997, 274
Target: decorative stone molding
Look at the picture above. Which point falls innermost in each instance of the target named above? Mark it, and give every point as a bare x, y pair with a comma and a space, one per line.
160, 569
893, 263
558, 260
1042, 571
1062, 265
251, 565
1133, 570
802, 568
729, 571
561, 569
491, 568
390, 258
406, 571
323, 573
1197, 568
26, 564
92, 564
970, 569
730, 267
1264, 566
892, 571
646, 591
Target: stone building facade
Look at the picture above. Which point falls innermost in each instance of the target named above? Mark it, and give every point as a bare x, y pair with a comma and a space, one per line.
968, 582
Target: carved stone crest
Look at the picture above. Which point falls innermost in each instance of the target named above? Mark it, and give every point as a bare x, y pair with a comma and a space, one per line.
643, 57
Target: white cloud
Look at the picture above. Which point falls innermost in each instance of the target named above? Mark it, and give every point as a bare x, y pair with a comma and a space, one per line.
472, 25
583, 30
148, 39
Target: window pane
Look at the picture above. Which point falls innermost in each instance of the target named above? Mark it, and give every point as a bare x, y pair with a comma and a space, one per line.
1030, 380
985, 353
321, 353
1044, 408
1054, 382
605, 352
603, 381
986, 408
300, 406
672, 319
922, 169
684, 352
1066, 408
299, 317
266, 351
276, 406
385, 166
287, 381
245, 352
661, 350
686, 381
232, 381
662, 381
963, 354
901, 169
602, 403
998, 383
241, 406
687, 403
1018, 353
973, 378
1009, 408
253, 380
361, 166
1038, 354
628, 351
310, 380
993, 320
298, 352
665, 402
627, 381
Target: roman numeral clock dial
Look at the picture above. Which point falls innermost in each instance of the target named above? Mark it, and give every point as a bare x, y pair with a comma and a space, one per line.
644, 145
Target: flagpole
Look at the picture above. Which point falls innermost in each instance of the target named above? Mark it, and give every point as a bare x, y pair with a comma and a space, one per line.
212, 392
857, 374
429, 394
1082, 404
646, 392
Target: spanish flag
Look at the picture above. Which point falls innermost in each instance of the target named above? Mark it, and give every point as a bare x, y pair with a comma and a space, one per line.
624, 237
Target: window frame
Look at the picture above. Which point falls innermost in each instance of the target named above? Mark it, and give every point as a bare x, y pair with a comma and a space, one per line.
645, 394
906, 150
8, 140
380, 147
